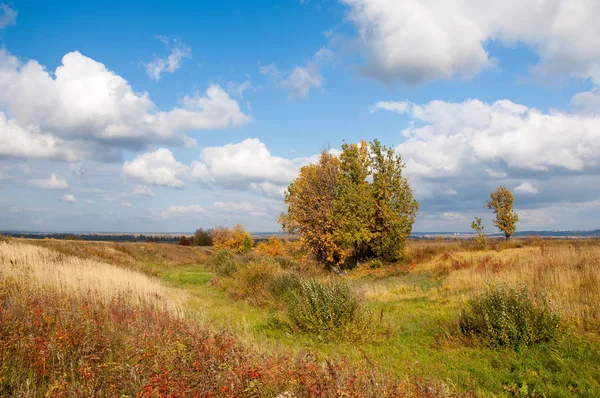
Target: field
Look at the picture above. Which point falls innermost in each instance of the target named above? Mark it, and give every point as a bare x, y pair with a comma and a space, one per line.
149, 319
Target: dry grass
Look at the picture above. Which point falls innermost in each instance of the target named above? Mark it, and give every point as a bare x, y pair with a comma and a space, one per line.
569, 275
81, 327
46, 269
128, 253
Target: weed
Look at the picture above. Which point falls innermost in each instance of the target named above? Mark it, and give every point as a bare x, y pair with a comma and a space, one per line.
508, 317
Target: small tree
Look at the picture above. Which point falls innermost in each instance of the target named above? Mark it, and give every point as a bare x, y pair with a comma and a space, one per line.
203, 237
236, 240
501, 203
478, 227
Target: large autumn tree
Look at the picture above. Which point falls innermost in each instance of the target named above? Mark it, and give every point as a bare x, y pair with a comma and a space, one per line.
353, 206
501, 202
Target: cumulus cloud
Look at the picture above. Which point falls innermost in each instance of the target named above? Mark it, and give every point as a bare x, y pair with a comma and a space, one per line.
416, 41
158, 168
52, 182
127, 204
452, 137
8, 16
527, 188
172, 62
456, 153
179, 211
247, 165
69, 199
27, 142
85, 110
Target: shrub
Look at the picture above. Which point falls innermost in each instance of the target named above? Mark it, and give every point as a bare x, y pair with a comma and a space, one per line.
282, 285
273, 247
507, 317
329, 310
224, 262
203, 237
250, 281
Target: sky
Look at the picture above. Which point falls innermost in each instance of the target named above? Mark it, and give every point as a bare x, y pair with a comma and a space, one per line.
146, 116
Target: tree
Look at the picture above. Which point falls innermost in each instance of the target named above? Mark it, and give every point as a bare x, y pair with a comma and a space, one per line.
203, 237
311, 203
237, 239
352, 207
478, 227
501, 203
395, 206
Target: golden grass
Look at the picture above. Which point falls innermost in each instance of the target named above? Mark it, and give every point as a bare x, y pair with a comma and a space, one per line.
568, 273
47, 269
127, 253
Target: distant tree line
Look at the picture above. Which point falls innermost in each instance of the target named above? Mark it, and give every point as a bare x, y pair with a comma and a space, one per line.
96, 237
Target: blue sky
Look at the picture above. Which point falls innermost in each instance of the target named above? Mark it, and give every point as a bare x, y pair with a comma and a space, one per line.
146, 116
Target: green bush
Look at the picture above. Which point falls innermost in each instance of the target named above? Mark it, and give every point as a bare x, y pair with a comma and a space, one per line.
224, 262
507, 317
282, 285
329, 310
250, 281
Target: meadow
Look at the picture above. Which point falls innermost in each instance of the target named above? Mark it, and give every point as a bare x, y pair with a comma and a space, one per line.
151, 319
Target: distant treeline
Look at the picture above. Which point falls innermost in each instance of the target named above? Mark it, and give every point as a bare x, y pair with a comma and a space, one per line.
97, 237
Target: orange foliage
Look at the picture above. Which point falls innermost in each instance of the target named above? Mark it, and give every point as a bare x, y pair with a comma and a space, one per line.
237, 239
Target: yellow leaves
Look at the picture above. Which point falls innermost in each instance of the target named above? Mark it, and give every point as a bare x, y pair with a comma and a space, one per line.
237, 239
340, 214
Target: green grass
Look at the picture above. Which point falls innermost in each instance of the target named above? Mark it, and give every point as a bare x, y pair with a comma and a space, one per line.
421, 343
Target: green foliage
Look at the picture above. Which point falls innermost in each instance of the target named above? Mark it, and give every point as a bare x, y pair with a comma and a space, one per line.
501, 202
328, 310
341, 216
5, 238
507, 317
395, 206
224, 262
481, 238
252, 280
282, 285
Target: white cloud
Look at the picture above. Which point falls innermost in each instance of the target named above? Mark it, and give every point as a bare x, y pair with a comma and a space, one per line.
247, 165
28, 142
179, 211
158, 168
527, 188
85, 110
171, 63
588, 101
301, 79
455, 138
142, 191
8, 16
127, 204
52, 182
69, 199
416, 41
